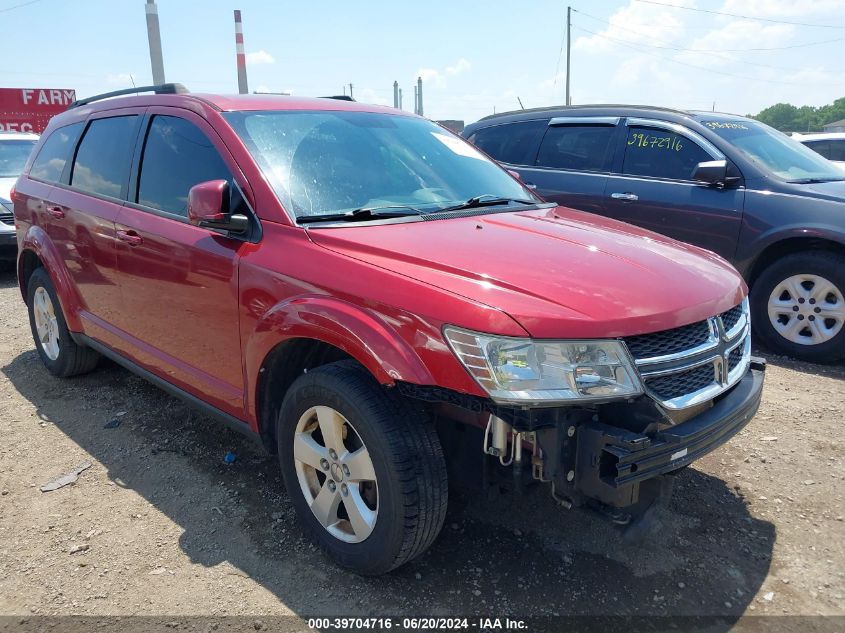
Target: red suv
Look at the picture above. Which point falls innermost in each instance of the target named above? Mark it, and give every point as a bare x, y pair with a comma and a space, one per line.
373, 299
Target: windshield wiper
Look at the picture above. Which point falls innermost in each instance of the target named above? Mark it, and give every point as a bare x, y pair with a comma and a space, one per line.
485, 200
809, 181
362, 214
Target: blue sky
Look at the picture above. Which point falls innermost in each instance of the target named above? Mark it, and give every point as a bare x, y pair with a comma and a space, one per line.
473, 56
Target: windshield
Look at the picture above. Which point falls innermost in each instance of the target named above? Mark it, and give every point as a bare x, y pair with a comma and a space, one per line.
326, 162
774, 151
13, 155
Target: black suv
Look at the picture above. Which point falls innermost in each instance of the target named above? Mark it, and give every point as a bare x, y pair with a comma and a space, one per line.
772, 207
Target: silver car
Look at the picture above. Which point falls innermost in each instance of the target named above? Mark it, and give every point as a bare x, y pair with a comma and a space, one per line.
14, 150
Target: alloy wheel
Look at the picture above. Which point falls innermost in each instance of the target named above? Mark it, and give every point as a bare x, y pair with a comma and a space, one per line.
336, 474
46, 324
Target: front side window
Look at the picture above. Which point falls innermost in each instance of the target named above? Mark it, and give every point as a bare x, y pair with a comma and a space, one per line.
325, 162
102, 160
774, 151
177, 156
513, 143
55, 152
661, 153
579, 147
13, 155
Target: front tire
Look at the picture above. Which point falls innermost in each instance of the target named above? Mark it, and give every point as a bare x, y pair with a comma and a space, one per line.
363, 468
798, 306
61, 355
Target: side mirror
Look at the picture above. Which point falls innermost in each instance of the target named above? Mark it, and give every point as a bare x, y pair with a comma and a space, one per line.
712, 172
208, 207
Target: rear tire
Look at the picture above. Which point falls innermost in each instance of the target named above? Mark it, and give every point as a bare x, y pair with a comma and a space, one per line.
798, 306
378, 453
61, 355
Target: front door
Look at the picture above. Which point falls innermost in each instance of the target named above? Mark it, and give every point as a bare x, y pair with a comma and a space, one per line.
179, 281
652, 188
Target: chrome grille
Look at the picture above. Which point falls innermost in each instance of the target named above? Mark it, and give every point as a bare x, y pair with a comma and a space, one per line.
7, 218
694, 363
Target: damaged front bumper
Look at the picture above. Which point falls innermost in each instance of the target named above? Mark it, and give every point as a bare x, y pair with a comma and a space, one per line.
610, 464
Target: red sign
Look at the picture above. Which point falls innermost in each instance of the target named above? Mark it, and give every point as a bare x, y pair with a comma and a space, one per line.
30, 109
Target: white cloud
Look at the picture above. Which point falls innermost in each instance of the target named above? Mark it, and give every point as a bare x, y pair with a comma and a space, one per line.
462, 65
260, 57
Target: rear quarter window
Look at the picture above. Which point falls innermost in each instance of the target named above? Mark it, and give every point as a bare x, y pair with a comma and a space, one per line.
512, 143
54, 154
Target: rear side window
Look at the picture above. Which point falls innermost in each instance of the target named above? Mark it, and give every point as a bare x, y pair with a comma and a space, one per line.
581, 147
177, 156
661, 154
55, 153
513, 143
102, 160
832, 149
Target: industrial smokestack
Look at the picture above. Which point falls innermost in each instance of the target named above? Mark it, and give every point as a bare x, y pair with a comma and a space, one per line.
396, 94
154, 37
239, 48
419, 95
416, 101
400, 98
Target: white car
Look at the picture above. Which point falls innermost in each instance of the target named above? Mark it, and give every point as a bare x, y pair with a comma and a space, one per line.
831, 145
14, 150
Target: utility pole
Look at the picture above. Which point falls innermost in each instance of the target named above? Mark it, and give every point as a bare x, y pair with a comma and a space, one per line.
154, 37
396, 94
243, 88
568, 49
419, 95
350, 90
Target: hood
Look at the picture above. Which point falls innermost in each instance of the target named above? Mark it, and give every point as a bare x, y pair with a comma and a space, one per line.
834, 191
6, 185
560, 273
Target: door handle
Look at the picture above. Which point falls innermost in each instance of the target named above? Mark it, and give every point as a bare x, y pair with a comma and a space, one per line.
130, 237
627, 196
56, 212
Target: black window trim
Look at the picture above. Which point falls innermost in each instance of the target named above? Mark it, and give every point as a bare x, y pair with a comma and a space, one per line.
66, 174
255, 232
582, 121
706, 146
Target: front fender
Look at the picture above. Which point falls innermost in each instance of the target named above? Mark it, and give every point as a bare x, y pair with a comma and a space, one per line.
750, 252
37, 241
363, 334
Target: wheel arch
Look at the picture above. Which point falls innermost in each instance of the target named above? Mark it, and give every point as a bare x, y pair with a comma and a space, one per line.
38, 251
789, 245
306, 332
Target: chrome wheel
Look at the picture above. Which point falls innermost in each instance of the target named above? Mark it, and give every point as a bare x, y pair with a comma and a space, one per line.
46, 324
807, 309
336, 474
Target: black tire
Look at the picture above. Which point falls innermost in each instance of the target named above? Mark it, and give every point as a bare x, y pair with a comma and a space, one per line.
407, 459
72, 359
829, 265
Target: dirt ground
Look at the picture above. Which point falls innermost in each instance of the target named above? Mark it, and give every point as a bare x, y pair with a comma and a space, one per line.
161, 525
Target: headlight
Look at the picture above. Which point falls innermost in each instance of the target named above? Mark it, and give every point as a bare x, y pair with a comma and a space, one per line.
521, 370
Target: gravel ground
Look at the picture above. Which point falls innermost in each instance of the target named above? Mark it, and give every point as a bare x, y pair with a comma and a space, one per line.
160, 525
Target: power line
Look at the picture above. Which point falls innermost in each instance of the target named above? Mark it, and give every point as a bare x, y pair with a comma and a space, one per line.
693, 50
638, 48
744, 17
18, 6
720, 50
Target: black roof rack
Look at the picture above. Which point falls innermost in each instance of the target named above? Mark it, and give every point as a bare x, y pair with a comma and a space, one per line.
339, 97
161, 89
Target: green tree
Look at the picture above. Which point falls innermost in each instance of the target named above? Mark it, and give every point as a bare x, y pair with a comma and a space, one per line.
789, 118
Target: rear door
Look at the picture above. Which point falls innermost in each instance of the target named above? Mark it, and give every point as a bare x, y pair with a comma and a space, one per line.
652, 187
80, 215
179, 281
